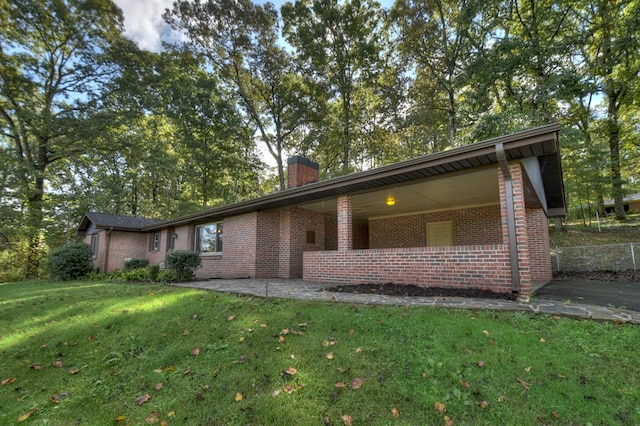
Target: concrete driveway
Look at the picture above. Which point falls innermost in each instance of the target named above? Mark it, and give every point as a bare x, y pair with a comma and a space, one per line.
620, 295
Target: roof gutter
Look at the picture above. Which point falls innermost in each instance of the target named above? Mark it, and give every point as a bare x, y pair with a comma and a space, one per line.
511, 218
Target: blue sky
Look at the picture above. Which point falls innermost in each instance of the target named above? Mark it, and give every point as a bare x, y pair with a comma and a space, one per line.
144, 24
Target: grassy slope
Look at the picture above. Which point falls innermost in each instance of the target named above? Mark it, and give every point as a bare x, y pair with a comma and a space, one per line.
610, 232
95, 348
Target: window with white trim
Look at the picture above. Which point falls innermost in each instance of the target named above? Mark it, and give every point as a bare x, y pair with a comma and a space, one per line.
95, 238
209, 238
155, 242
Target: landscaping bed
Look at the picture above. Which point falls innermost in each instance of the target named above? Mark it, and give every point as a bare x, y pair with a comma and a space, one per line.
390, 289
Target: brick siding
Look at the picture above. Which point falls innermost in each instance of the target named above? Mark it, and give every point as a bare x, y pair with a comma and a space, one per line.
474, 226
485, 267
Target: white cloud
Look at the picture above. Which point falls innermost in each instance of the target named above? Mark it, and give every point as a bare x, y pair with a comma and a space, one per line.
143, 21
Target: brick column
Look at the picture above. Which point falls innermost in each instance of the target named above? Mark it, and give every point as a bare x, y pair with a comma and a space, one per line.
524, 270
284, 262
345, 228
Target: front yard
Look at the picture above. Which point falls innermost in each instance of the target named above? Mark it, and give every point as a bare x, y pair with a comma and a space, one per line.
103, 353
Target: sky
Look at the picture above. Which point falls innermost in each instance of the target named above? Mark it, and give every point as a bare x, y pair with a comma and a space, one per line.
144, 24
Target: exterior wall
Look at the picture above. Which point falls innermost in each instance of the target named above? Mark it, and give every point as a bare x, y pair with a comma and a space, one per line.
238, 258
116, 246
360, 234
301, 171
474, 226
158, 256
268, 244
539, 246
485, 267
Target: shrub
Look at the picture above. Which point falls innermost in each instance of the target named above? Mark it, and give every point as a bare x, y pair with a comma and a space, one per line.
183, 263
154, 272
167, 276
130, 264
71, 262
141, 274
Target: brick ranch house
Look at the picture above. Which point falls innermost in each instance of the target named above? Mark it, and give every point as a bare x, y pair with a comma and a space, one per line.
474, 216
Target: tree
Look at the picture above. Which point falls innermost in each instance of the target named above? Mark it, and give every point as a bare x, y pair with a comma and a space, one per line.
338, 45
240, 41
54, 60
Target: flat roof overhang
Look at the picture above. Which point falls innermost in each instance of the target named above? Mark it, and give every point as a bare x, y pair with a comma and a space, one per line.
540, 142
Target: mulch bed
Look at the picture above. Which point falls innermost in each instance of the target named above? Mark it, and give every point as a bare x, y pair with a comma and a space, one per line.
618, 276
415, 291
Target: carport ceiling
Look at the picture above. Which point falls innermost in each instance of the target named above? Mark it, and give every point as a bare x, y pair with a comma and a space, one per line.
464, 189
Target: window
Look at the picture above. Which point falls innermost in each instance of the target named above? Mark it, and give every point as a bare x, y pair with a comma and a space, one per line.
209, 238
171, 239
94, 244
155, 242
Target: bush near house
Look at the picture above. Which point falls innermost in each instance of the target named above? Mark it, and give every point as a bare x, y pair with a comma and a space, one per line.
71, 262
133, 263
183, 263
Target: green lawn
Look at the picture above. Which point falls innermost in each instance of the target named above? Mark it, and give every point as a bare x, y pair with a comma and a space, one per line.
103, 353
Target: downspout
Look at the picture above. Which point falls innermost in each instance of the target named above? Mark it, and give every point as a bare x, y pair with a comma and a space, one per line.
106, 250
511, 218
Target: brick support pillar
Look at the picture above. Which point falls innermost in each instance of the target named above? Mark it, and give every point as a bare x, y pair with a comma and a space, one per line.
345, 227
520, 215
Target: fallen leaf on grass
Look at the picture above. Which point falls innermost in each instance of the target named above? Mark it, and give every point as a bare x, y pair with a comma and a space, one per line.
231, 318
523, 383
281, 339
329, 342
239, 397
275, 393
483, 404
158, 386
35, 367
329, 355
195, 351
185, 332
25, 416
480, 363
56, 398
448, 421
153, 417
341, 385
440, 407
120, 419
291, 371
395, 413
77, 370
288, 388
464, 384
486, 333
556, 415
8, 380
542, 340
143, 398
57, 364
347, 420
356, 383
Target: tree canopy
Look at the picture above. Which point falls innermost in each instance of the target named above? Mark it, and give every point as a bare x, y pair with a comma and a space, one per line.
88, 121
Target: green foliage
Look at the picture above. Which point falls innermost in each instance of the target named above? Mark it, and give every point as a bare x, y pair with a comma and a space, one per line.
71, 262
135, 263
154, 273
190, 350
183, 263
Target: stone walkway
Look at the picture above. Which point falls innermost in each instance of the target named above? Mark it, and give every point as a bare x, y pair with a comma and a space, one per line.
305, 290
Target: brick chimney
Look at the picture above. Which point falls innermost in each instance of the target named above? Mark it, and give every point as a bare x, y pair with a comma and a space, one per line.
301, 171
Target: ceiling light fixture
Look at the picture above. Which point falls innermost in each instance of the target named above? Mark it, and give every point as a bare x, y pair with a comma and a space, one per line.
390, 201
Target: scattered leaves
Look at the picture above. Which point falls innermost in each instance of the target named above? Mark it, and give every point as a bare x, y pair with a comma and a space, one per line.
395, 413
231, 318
356, 383
158, 386
329, 355
341, 385
8, 381
556, 415
291, 371
185, 332
440, 407
35, 367
57, 397
480, 363
523, 383
483, 404
275, 393
57, 364
143, 398
464, 383
120, 419
448, 421
486, 333
288, 388
195, 351
153, 417
77, 370
542, 340
347, 420
239, 397
25, 416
